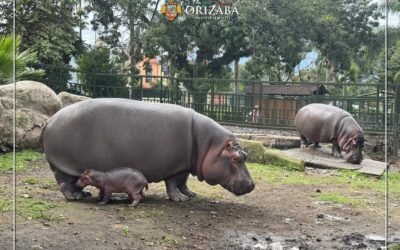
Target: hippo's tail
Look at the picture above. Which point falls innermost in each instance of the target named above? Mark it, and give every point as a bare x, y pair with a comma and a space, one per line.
146, 186
43, 127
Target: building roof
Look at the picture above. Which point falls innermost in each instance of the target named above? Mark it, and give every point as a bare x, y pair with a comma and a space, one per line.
289, 89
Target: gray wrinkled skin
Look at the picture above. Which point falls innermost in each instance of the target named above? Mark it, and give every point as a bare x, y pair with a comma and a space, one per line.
329, 124
165, 142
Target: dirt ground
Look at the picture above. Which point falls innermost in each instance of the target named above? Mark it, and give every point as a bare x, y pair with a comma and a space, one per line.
271, 217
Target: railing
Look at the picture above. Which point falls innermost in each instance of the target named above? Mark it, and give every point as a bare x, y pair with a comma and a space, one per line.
220, 100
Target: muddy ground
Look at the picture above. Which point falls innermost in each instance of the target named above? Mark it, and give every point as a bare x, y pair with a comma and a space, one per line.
273, 216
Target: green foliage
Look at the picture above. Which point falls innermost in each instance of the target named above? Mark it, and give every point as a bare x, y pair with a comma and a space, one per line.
22, 59
30, 180
135, 15
337, 198
48, 27
393, 72
22, 160
96, 61
274, 175
168, 241
5, 206
36, 209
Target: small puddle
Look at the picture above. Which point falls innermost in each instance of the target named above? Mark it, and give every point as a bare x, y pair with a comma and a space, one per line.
247, 240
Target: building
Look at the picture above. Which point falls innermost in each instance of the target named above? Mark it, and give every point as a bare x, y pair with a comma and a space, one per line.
278, 104
150, 68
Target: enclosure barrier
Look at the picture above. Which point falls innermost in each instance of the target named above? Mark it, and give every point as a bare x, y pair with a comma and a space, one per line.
225, 102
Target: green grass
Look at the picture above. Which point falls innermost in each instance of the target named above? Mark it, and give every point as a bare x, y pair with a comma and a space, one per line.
272, 175
22, 160
337, 198
274, 157
35, 209
5, 206
30, 180
168, 241
126, 230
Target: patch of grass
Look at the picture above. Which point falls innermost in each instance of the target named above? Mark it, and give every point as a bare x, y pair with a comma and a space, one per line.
30, 180
48, 183
35, 209
276, 176
377, 156
394, 246
126, 230
5, 206
275, 158
22, 159
168, 241
337, 198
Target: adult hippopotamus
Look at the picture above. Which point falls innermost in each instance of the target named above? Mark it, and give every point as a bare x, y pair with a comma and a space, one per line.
165, 142
325, 123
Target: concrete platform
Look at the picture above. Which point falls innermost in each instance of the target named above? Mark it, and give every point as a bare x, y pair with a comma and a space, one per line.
321, 158
273, 141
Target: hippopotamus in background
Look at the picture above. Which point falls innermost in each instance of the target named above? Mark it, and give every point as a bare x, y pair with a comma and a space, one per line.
325, 123
164, 142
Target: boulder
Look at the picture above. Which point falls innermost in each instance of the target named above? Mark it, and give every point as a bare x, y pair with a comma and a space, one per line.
35, 103
254, 149
68, 98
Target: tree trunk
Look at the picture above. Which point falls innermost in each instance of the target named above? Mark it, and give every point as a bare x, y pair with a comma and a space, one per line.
236, 76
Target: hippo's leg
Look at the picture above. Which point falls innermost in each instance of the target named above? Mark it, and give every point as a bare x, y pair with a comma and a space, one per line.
316, 145
336, 150
136, 198
183, 187
106, 198
67, 186
173, 185
303, 141
101, 195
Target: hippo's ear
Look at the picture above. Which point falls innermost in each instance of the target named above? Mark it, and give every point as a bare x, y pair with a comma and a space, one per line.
231, 145
86, 172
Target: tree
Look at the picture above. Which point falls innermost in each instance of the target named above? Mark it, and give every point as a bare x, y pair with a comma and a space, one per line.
134, 15
22, 59
47, 27
340, 31
96, 68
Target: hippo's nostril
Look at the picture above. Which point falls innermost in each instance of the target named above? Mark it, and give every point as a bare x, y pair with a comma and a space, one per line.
251, 186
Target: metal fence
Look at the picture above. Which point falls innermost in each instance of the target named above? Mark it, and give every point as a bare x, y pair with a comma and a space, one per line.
223, 101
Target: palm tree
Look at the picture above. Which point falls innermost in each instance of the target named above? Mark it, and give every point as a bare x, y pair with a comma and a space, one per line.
21, 61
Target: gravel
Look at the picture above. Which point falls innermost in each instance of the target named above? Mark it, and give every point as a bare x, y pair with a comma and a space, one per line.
248, 130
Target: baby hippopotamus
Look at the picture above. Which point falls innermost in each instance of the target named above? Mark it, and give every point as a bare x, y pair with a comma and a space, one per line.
120, 180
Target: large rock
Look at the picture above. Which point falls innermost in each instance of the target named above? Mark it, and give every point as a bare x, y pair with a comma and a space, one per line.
254, 149
68, 99
35, 103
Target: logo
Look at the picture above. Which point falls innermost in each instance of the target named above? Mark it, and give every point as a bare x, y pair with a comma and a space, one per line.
171, 10
200, 9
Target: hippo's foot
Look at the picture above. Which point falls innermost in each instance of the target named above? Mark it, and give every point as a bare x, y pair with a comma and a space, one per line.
177, 196
67, 185
316, 145
337, 154
176, 187
76, 195
336, 151
186, 191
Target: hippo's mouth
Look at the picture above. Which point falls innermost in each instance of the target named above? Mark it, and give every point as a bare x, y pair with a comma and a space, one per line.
239, 190
351, 158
